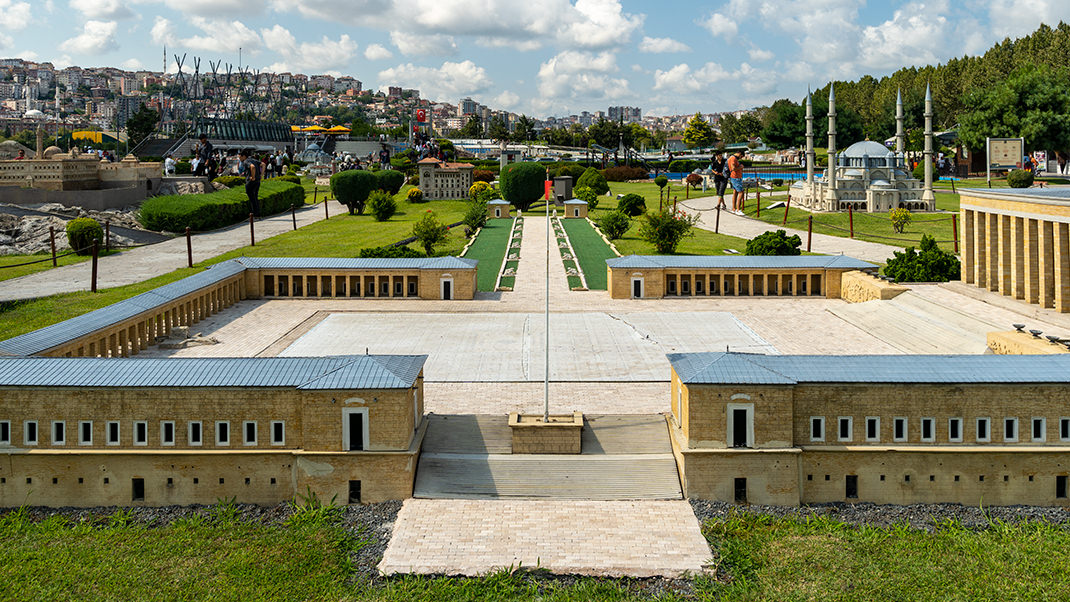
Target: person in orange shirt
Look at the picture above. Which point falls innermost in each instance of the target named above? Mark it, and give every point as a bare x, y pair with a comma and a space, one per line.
735, 180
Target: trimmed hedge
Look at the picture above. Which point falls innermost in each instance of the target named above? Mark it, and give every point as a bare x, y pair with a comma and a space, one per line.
82, 232
1020, 178
390, 180
522, 184
625, 173
352, 188
216, 209
594, 180
287, 178
230, 181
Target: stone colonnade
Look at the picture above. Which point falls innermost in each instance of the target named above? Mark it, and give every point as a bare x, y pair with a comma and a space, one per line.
276, 283
700, 283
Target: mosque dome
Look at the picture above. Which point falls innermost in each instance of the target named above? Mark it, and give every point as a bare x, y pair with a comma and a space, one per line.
33, 114
868, 148
52, 150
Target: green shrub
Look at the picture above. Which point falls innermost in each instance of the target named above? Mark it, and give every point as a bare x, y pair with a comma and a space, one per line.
661, 181
82, 233
414, 195
477, 188
288, 178
774, 243
624, 174
522, 184
429, 232
900, 218
482, 175
391, 251
932, 264
293, 169
352, 188
414, 179
183, 168
919, 171
216, 209
593, 180
230, 181
390, 180
665, 229
1020, 178
584, 193
475, 217
381, 205
778, 182
572, 170
614, 224
632, 205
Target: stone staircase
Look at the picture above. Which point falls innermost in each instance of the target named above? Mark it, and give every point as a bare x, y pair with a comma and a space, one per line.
625, 457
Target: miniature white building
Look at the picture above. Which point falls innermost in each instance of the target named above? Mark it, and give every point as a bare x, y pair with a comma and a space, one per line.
440, 180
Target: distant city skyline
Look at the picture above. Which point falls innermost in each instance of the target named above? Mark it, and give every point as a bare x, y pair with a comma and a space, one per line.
542, 58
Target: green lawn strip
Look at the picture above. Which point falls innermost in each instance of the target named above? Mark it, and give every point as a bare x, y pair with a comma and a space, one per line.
489, 248
821, 559
42, 262
341, 236
508, 282
591, 251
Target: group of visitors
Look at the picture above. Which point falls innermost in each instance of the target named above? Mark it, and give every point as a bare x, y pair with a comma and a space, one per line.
728, 171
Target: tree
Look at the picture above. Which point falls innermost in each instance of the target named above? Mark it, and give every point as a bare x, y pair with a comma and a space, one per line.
1033, 102
593, 180
584, 193
666, 229
522, 184
730, 129
473, 128
632, 205
497, 130
698, 133
774, 243
141, 124
932, 264
614, 224
352, 188
641, 137
784, 125
429, 232
610, 133
381, 205
749, 126
524, 129
390, 180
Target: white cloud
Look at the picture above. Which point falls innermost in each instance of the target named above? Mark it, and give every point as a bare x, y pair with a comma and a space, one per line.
163, 32
222, 36
102, 9
911, 37
325, 55
423, 45
1024, 16
573, 77
132, 65
506, 100
597, 24
759, 54
97, 37
682, 80
215, 8
448, 82
17, 15
377, 52
721, 25
659, 45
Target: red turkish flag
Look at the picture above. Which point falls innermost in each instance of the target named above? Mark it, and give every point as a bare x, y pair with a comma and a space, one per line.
421, 115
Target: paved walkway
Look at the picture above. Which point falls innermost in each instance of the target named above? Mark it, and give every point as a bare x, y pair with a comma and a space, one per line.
474, 537
745, 227
149, 261
531, 271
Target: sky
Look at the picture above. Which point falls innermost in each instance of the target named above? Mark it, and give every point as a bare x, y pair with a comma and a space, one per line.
538, 57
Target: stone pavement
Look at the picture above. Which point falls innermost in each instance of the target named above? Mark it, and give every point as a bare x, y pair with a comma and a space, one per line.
615, 538
531, 271
747, 228
142, 263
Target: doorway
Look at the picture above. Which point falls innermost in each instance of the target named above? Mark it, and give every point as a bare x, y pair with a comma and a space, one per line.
447, 289
739, 427
354, 429
637, 288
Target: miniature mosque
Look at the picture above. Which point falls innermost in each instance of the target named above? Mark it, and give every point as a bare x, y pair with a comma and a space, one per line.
867, 176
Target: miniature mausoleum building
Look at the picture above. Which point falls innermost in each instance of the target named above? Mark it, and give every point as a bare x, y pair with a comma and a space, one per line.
497, 209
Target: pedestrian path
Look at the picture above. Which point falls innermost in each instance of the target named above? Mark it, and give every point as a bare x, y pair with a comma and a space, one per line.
747, 228
531, 271
142, 263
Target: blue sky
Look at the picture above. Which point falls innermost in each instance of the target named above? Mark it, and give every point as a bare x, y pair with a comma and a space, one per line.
540, 57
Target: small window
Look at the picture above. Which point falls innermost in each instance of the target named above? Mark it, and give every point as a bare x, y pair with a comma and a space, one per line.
984, 432
59, 432
222, 433
196, 437
167, 432
113, 432
954, 430
817, 428
249, 427
1060, 487
5, 432
29, 432
1064, 429
85, 432
899, 431
1010, 430
845, 427
928, 430
740, 487
278, 432
141, 432
873, 428
1040, 429
851, 487
138, 490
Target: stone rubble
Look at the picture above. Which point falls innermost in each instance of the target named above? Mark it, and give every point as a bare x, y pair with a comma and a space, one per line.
28, 235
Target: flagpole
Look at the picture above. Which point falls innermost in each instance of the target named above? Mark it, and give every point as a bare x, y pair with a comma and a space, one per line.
546, 383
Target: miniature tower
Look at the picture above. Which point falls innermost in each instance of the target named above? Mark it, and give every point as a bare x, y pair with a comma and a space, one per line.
830, 190
927, 193
809, 143
900, 137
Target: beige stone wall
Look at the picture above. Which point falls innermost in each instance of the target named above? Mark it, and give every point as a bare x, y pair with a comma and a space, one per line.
1020, 343
734, 282
49, 174
705, 414
423, 284
859, 287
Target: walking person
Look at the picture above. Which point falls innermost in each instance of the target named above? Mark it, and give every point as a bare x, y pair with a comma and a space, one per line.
720, 180
204, 151
735, 179
253, 173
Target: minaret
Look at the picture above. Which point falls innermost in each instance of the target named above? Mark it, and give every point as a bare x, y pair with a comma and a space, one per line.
900, 137
809, 143
927, 195
830, 190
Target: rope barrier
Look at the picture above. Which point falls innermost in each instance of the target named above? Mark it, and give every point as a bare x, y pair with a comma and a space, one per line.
49, 258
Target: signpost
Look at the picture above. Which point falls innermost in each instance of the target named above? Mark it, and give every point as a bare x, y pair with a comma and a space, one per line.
1003, 153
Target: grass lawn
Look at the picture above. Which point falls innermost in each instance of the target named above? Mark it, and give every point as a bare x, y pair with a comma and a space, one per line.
591, 251
340, 236
41, 262
489, 248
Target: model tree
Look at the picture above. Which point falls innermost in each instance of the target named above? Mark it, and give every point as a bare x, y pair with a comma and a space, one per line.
699, 134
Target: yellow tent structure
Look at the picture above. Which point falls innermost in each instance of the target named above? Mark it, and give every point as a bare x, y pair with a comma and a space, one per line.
339, 129
314, 128
94, 137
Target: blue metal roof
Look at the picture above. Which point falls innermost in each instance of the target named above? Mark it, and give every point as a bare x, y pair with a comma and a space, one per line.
308, 373
1048, 194
744, 262
753, 369
58, 334
359, 263
497, 202
575, 202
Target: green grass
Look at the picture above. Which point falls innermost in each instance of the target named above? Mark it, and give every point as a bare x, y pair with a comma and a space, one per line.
591, 251
341, 236
41, 263
489, 248
821, 559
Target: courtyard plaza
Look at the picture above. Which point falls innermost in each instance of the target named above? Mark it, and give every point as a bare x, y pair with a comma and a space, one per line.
616, 508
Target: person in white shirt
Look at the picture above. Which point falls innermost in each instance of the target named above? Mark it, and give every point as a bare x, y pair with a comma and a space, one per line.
169, 166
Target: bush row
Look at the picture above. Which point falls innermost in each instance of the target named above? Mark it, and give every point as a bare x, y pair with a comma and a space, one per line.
216, 209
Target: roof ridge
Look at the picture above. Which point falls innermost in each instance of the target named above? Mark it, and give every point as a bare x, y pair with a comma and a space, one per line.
748, 357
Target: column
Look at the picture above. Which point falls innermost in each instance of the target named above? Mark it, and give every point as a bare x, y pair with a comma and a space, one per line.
1005, 266
980, 248
968, 247
993, 251
1031, 260
1018, 257
1061, 241
122, 347
1047, 264
140, 342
